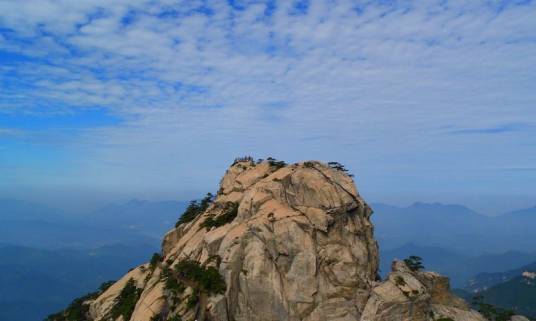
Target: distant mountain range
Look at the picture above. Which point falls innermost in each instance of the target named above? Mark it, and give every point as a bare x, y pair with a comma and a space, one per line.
16, 210
145, 217
48, 257
454, 227
518, 294
36, 282
514, 289
43, 250
484, 281
460, 268
135, 222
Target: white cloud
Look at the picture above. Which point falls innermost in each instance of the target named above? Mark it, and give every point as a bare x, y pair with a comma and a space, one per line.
376, 86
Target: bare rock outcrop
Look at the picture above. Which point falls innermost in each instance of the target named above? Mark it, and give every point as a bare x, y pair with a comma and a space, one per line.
280, 242
416, 296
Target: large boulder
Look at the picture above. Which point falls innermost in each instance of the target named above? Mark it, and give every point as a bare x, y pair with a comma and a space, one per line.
415, 295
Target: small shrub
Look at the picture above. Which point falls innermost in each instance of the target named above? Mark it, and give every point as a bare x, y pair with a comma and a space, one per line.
155, 260
275, 163
194, 209
105, 285
159, 317
172, 284
208, 279
192, 300
309, 164
400, 281
227, 217
77, 310
248, 159
491, 312
414, 263
216, 258
339, 167
126, 301
212, 281
176, 317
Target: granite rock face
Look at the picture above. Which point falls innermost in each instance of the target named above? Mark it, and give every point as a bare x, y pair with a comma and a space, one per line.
416, 296
290, 242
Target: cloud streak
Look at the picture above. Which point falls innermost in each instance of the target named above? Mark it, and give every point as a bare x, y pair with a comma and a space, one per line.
499, 129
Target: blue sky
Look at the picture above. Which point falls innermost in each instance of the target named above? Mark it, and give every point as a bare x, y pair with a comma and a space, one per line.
422, 100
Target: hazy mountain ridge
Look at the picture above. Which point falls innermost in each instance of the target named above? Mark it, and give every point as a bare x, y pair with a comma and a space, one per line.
128, 223
35, 282
152, 218
517, 293
134, 222
484, 281
454, 227
459, 267
47, 256
18, 210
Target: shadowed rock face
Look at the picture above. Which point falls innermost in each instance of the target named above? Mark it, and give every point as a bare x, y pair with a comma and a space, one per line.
300, 247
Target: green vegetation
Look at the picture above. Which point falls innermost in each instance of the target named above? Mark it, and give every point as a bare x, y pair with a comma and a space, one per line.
243, 159
444, 319
517, 294
172, 284
104, 286
155, 260
192, 300
158, 317
491, 312
339, 167
195, 209
126, 301
207, 279
203, 280
400, 281
309, 164
275, 163
163, 317
176, 317
216, 258
414, 263
228, 216
77, 310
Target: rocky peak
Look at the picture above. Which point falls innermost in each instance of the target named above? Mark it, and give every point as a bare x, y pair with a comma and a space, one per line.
278, 242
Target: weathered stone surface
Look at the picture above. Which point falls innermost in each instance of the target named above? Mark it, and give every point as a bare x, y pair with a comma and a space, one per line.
100, 308
415, 296
443, 311
301, 247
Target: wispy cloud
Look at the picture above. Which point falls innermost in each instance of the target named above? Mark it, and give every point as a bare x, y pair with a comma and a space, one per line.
378, 79
499, 129
9, 132
518, 169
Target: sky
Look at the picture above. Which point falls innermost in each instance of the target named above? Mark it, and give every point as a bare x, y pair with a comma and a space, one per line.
421, 100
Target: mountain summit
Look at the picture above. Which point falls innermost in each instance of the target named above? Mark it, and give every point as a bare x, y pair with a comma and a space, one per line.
277, 242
